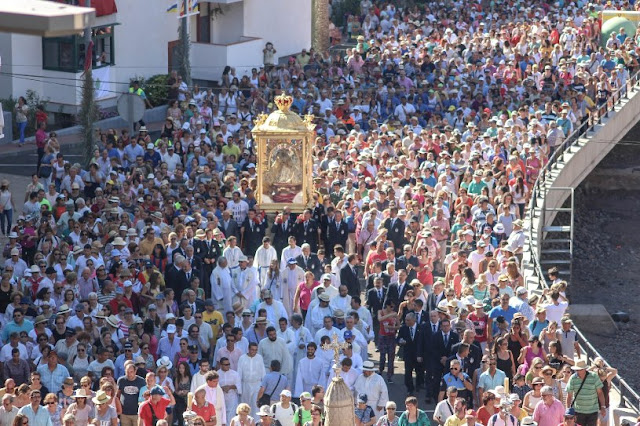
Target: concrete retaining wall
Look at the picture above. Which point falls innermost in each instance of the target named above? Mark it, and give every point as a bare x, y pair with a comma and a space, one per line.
154, 115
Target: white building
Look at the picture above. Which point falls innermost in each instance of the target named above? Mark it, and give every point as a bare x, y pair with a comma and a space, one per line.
139, 40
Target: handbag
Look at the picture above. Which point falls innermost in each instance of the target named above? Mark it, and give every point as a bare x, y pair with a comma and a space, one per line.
45, 171
265, 399
573, 401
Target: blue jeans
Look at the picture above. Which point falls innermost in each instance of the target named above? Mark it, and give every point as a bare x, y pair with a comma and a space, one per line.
21, 128
8, 215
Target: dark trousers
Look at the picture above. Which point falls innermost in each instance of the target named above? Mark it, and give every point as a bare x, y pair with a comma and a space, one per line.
411, 365
40, 155
590, 419
433, 376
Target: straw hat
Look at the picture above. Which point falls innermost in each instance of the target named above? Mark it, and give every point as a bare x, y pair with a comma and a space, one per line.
101, 398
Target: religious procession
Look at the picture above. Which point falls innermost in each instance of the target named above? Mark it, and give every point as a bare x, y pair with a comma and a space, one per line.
296, 241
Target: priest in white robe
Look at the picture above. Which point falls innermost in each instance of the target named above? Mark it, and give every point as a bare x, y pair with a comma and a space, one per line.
291, 277
290, 252
328, 330
263, 257
246, 282
222, 286
342, 301
348, 374
275, 309
316, 315
232, 252
373, 385
231, 385
251, 370
309, 371
326, 286
298, 347
275, 348
215, 396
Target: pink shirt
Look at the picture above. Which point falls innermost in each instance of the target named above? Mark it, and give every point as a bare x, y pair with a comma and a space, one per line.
549, 415
305, 294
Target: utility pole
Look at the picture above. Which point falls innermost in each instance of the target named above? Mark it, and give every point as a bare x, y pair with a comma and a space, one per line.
185, 35
88, 109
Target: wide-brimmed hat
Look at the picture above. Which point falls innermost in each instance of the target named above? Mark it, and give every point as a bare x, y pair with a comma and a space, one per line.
579, 364
164, 362
63, 309
368, 366
118, 241
528, 421
264, 411
112, 320
101, 398
39, 319
80, 393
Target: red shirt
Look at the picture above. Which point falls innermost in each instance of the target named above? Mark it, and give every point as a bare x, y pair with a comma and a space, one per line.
160, 410
207, 412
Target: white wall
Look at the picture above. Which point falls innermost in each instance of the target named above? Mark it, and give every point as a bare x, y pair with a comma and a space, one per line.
141, 41
285, 23
228, 28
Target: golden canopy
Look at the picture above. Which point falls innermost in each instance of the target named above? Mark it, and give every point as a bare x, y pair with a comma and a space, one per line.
284, 142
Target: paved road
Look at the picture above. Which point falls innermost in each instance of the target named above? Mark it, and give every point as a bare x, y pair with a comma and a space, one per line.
19, 178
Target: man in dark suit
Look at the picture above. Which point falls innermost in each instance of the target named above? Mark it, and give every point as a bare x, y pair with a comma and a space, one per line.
337, 233
175, 277
208, 250
374, 299
349, 276
228, 226
282, 228
191, 301
441, 344
377, 273
474, 357
430, 328
398, 291
408, 336
409, 262
391, 258
421, 316
309, 261
252, 232
436, 296
395, 230
195, 262
306, 230
326, 222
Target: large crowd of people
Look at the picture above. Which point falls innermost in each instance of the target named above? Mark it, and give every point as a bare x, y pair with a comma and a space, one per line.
151, 282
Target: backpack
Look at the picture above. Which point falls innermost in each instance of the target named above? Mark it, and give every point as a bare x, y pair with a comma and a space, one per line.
512, 420
274, 408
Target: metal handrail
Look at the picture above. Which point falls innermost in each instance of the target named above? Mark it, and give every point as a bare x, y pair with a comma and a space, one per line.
628, 397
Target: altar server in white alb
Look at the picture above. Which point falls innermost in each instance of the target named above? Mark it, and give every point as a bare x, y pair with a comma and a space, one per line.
251, 370
372, 384
291, 277
246, 281
222, 286
263, 257
309, 371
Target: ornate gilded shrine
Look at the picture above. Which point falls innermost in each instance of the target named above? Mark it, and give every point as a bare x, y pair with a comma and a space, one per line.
284, 142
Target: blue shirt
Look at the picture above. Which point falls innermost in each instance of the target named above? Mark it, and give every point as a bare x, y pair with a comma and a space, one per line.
53, 379
131, 152
166, 348
12, 326
498, 311
41, 418
451, 380
487, 382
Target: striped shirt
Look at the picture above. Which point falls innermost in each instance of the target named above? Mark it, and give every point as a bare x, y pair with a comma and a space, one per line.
586, 401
